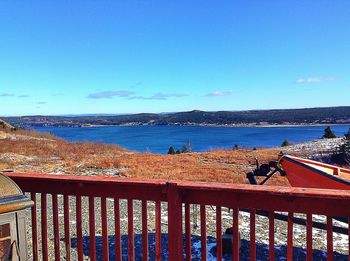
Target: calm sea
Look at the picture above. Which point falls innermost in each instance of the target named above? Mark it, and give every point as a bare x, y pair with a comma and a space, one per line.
158, 139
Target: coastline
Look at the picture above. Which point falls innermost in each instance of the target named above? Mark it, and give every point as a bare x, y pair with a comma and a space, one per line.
212, 125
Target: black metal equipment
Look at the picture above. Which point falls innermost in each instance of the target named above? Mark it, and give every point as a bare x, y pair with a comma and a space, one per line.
264, 170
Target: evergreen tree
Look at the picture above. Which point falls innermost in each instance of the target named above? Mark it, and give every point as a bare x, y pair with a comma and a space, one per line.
347, 135
171, 150
328, 133
178, 151
285, 143
342, 155
184, 149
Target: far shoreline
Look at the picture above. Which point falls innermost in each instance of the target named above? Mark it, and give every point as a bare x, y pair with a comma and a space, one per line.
210, 125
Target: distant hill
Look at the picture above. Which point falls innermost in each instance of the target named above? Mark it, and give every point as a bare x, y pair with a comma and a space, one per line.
307, 116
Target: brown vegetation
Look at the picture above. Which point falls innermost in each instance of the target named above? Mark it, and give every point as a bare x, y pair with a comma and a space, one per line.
30, 152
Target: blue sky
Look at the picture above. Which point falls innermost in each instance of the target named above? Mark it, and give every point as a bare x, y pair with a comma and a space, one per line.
76, 57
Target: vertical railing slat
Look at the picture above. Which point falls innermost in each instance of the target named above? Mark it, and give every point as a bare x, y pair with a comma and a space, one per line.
218, 233
56, 234
203, 232
44, 226
290, 237
158, 231
188, 232
271, 235
252, 235
144, 231
235, 231
92, 228
79, 227
118, 251
131, 249
67, 240
329, 238
105, 244
34, 228
309, 237
349, 238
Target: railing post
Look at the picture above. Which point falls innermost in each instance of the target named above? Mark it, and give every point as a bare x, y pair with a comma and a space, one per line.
175, 222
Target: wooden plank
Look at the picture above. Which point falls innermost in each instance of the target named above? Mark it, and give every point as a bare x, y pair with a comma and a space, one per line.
79, 223
92, 228
290, 237
67, 240
105, 243
329, 238
309, 237
203, 232
34, 227
44, 227
271, 235
56, 233
158, 232
235, 231
252, 235
188, 232
219, 232
131, 248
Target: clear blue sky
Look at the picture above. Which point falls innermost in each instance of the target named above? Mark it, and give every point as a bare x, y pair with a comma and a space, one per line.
76, 57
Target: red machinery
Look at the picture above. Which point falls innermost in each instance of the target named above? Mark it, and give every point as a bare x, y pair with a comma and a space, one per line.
304, 173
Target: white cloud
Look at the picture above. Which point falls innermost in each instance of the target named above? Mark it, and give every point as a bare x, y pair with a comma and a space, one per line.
315, 80
109, 94
220, 93
158, 96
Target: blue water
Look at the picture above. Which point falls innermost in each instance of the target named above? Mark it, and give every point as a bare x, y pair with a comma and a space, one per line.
158, 139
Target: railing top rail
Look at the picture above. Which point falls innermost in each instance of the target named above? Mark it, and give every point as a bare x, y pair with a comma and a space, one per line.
187, 185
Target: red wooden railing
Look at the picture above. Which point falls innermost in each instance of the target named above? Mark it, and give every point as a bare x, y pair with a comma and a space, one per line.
179, 197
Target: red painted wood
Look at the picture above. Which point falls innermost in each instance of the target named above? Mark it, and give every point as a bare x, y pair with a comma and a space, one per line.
302, 175
131, 249
235, 241
34, 227
67, 241
44, 226
349, 239
79, 224
252, 235
188, 232
329, 238
105, 243
118, 251
144, 231
270, 198
218, 233
301, 200
92, 233
271, 235
174, 222
203, 232
56, 234
158, 232
290, 237
309, 237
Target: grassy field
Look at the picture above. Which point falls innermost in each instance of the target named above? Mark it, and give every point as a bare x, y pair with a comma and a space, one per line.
32, 152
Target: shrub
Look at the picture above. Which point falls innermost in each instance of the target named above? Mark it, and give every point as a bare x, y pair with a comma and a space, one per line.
342, 155
171, 150
285, 143
328, 133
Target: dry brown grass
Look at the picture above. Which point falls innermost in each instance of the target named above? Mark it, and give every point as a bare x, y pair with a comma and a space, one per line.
55, 155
